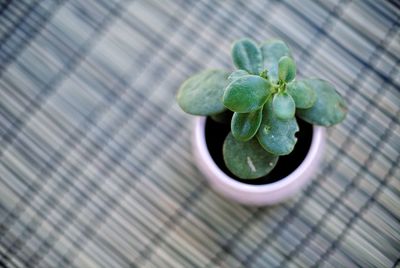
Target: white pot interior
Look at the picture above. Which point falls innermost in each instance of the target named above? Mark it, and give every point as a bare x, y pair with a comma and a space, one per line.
266, 194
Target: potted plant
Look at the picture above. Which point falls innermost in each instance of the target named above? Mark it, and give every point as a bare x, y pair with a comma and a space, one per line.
261, 135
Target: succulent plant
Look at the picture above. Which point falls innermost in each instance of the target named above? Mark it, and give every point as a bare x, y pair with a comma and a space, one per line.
265, 97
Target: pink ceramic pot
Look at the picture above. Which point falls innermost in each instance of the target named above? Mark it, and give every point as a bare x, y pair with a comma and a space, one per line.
258, 195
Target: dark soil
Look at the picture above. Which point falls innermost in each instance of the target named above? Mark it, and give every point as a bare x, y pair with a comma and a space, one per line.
215, 136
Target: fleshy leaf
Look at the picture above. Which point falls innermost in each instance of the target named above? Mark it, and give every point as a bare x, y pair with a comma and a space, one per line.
236, 74
246, 55
286, 69
245, 125
275, 135
247, 160
224, 118
272, 51
246, 94
329, 108
202, 93
303, 95
283, 106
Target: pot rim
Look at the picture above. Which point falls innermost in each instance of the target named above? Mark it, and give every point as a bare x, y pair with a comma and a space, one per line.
312, 156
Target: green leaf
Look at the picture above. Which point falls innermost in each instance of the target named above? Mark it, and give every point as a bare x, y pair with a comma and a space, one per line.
283, 106
329, 108
303, 95
244, 126
202, 93
275, 135
247, 56
246, 94
286, 69
272, 51
247, 160
236, 74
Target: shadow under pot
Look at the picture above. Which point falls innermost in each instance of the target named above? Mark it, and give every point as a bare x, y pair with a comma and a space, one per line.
291, 173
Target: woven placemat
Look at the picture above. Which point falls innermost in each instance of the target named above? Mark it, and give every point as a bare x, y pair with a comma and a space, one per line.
95, 161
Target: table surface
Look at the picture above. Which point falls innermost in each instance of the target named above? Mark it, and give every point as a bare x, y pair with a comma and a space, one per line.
95, 161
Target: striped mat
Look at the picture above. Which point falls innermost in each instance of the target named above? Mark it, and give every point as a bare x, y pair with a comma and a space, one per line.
95, 161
